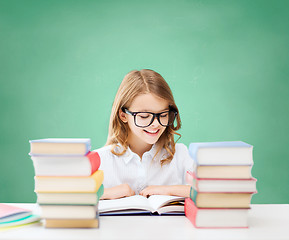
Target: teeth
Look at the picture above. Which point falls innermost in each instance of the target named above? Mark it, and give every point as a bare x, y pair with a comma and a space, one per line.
152, 132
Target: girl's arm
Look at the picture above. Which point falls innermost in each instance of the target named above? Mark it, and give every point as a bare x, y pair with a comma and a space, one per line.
122, 190
175, 190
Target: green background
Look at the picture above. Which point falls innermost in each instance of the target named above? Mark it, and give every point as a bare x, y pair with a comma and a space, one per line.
227, 63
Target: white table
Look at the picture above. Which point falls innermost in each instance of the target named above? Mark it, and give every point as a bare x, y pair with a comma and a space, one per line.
267, 221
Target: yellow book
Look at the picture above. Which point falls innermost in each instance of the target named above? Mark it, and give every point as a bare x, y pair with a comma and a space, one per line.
69, 184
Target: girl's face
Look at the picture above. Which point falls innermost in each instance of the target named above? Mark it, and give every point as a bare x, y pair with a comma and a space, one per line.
145, 137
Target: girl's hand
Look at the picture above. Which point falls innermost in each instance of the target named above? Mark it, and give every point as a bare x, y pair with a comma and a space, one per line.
175, 190
155, 190
120, 191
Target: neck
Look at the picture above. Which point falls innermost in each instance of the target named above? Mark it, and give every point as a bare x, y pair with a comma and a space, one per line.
139, 149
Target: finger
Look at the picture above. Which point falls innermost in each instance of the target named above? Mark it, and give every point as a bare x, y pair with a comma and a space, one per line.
144, 193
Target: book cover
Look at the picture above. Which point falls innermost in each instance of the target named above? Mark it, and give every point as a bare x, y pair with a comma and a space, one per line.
216, 218
69, 184
66, 166
60, 146
222, 153
221, 185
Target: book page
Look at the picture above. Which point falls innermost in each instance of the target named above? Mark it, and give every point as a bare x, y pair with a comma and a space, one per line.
136, 202
172, 209
157, 201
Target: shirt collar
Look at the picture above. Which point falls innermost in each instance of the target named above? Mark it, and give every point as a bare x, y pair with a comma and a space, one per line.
129, 154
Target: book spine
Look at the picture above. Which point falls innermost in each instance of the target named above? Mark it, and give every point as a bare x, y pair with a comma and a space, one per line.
98, 179
100, 192
94, 160
191, 211
193, 196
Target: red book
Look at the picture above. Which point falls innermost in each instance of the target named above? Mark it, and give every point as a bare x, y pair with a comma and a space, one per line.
216, 218
221, 185
66, 165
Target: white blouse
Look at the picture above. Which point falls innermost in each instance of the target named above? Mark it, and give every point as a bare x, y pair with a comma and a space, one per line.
139, 173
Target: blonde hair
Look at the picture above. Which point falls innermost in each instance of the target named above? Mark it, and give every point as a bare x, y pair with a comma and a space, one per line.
134, 84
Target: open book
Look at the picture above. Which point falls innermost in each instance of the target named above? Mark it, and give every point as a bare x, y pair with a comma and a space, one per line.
137, 204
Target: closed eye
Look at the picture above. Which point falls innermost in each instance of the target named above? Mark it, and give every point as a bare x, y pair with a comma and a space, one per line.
164, 115
143, 115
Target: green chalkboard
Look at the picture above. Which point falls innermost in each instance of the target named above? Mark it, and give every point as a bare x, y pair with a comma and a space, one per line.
227, 63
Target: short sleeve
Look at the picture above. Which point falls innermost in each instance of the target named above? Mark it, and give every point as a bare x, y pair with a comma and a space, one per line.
106, 164
185, 162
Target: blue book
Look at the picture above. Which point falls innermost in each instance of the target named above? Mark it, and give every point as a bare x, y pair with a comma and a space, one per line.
60, 146
222, 153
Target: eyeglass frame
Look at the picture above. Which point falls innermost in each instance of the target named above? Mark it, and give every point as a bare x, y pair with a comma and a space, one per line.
155, 115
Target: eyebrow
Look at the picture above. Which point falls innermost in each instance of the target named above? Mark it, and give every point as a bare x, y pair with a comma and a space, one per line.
146, 110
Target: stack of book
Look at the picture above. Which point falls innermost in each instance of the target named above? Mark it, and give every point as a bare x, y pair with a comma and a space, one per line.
222, 184
68, 183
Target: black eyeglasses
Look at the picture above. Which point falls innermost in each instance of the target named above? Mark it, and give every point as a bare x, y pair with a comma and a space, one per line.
145, 119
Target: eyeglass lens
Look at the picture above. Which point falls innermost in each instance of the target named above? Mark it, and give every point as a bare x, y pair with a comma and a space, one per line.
145, 119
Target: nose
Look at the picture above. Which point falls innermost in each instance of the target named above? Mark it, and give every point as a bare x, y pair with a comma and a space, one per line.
155, 123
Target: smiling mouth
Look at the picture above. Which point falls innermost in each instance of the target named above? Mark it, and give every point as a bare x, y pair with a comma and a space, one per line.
152, 132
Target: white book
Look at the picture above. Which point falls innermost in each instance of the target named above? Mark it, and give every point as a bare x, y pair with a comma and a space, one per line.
67, 198
69, 184
216, 218
70, 198
66, 166
69, 211
136, 204
221, 185
222, 217
60, 146
222, 153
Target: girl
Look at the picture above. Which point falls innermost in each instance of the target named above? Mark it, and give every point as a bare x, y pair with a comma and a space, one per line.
141, 156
